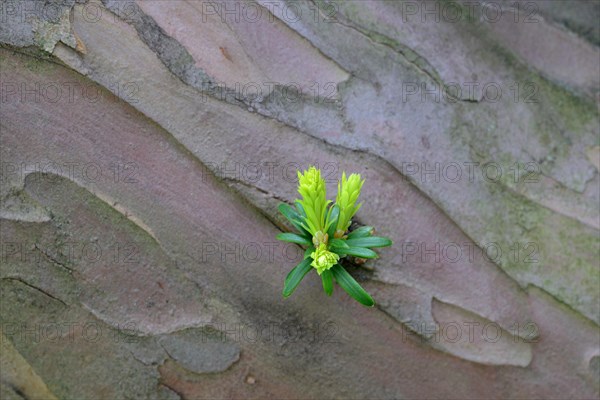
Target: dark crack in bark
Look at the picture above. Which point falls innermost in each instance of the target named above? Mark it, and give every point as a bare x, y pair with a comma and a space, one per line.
24, 282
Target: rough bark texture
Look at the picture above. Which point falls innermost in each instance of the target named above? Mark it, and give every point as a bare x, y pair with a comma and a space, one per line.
140, 183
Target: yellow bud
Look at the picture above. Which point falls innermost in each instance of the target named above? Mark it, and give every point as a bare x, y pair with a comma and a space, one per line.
323, 259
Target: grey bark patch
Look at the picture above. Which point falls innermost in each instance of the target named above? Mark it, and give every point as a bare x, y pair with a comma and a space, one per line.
595, 367
175, 57
201, 351
164, 393
37, 23
479, 344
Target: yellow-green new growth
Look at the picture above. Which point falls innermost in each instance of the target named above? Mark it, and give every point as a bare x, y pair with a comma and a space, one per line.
323, 259
314, 199
348, 192
322, 227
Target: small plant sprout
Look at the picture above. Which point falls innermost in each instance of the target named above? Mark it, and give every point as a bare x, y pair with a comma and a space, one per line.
322, 227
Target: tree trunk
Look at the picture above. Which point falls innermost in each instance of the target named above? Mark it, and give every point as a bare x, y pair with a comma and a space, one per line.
146, 146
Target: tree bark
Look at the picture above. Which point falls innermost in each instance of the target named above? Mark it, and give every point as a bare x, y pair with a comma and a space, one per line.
146, 146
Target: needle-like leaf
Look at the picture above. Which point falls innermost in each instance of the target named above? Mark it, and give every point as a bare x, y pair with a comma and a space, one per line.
294, 218
370, 241
338, 245
327, 279
360, 252
300, 209
347, 282
363, 231
293, 238
309, 251
295, 277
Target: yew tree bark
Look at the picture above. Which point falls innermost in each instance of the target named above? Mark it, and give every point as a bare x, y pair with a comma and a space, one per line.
146, 145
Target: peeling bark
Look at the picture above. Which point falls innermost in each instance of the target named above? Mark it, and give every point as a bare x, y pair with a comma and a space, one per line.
139, 208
